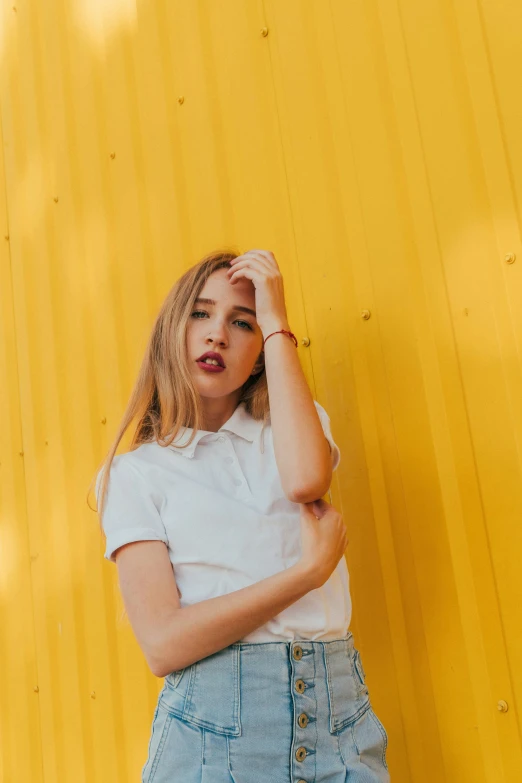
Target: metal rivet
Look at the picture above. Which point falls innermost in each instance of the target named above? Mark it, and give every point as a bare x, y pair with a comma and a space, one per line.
502, 706
300, 753
509, 258
104, 420
303, 720
366, 314
181, 99
305, 341
264, 32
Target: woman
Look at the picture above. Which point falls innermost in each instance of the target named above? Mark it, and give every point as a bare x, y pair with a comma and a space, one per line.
230, 563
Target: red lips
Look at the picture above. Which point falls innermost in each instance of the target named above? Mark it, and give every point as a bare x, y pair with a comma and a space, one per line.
212, 355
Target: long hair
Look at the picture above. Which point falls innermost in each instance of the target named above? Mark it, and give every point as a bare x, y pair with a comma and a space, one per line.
164, 397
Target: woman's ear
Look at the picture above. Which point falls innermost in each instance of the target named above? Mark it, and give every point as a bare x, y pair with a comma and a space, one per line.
259, 365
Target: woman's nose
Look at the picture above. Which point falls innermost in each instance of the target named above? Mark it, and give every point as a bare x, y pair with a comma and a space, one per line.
218, 340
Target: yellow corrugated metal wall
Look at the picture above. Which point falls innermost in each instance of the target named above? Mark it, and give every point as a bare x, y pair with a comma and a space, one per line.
375, 147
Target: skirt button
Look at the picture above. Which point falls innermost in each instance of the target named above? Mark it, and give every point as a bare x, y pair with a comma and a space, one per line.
298, 652
300, 753
300, 686
303, 720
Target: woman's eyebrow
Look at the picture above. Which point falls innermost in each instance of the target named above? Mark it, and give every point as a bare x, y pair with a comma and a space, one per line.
239, 308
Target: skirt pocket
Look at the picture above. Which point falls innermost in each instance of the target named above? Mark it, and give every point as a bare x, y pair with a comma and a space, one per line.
158, 738
206, 694
347, 691
363, 745
174, 678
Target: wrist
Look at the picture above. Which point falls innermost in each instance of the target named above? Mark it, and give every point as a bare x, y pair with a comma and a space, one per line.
274, 326
307, 575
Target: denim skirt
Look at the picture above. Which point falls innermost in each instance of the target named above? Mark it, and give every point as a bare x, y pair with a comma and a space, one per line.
268, 712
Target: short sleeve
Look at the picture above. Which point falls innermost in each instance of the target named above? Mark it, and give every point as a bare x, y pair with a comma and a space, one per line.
130, 513
325, 421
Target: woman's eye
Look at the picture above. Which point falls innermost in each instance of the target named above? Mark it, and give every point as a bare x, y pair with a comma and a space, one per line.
202, 312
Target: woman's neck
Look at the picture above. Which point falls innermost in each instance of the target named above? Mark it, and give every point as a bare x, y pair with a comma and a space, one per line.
218, 411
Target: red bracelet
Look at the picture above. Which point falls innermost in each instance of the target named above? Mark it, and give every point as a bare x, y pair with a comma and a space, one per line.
282, 331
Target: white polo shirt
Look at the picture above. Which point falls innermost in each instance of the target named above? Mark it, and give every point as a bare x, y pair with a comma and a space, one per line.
220, 508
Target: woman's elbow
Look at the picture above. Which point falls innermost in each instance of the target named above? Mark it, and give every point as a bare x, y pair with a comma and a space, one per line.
310, 492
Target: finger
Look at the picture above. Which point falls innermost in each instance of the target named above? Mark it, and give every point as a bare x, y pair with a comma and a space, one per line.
266, 254
262, 270
307, 506
268, 258
258, 255
240, 270
249, 273
249, 258
239, 262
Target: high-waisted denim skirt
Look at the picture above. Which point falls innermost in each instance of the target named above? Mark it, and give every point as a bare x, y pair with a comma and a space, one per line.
268, 712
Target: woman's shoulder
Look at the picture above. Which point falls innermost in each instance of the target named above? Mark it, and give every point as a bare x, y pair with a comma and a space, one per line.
136, 463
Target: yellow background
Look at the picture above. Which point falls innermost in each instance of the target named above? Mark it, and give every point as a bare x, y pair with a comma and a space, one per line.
375, 146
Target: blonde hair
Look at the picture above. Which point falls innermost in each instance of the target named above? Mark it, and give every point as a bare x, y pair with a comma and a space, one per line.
164, 397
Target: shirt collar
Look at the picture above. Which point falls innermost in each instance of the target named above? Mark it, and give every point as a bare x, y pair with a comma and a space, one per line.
240, 423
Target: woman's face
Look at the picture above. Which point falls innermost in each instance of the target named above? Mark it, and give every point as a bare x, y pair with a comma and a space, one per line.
223, 328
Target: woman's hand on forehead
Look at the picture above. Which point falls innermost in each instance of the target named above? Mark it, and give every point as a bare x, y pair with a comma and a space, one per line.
261, 267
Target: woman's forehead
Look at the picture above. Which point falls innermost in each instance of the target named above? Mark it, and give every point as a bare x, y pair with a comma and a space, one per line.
222, 292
